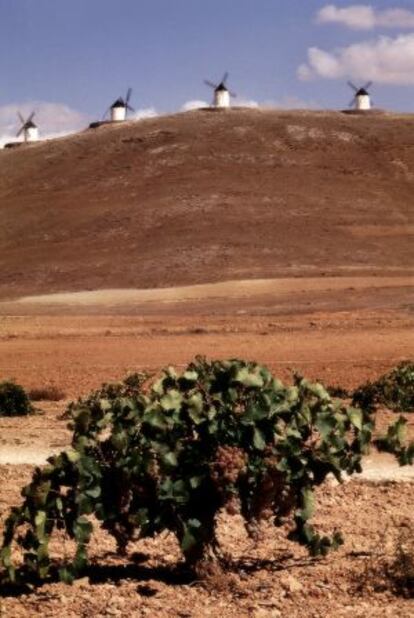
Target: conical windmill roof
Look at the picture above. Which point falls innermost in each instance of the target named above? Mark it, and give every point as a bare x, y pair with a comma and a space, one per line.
118, 103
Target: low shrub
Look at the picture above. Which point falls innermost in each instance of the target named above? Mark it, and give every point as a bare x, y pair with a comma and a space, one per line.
394, 390
170, 455
391, 571
14, 400
401, 569
49, 392
130, 387
339, 392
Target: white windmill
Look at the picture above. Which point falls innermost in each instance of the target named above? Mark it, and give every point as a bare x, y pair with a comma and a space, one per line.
28, 128
120, 108
361, 101
222, 95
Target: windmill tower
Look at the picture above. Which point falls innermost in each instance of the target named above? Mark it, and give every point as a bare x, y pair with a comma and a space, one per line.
361, 101
222, 95
120, 108
28, 128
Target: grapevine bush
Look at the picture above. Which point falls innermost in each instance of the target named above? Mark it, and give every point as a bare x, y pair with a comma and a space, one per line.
169, 455
14, 400
394, 390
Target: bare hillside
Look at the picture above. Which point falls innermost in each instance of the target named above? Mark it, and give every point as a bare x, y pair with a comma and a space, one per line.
204, 196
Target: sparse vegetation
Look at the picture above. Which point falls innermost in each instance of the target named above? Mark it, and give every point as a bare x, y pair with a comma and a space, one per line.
401, 569
50, 392
171, 455
394, 390
392, 570
14, 400
338, 392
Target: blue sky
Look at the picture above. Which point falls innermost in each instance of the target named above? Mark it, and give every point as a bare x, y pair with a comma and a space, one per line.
85, 53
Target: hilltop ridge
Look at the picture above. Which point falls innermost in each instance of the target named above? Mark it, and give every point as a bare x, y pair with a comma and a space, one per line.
208, 196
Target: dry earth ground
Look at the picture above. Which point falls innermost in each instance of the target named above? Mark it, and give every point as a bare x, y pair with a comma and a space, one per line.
314, 209
270, 579
207, 197
78, 344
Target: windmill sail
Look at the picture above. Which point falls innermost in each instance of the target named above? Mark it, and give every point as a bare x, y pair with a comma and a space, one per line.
25, 124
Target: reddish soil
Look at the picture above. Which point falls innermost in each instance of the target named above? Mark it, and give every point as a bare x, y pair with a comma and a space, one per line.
79, 353
275, 578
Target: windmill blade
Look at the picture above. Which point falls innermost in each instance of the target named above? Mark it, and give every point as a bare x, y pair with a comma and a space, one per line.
210, 84
225, 78
352, 103
351, 85
20, 117
106, 113
30, 118
130, 108
128, 96
368, 86
20, 131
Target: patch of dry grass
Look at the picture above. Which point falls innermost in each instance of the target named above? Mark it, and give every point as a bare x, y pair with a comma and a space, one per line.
49, 392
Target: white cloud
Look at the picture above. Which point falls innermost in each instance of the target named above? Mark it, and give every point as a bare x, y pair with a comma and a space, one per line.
385, 60
194, 104
53, 119
365, 17
285, 102
141, 114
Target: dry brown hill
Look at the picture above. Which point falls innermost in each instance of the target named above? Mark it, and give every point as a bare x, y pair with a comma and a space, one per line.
203, 197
